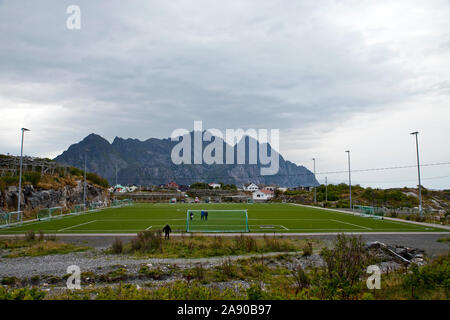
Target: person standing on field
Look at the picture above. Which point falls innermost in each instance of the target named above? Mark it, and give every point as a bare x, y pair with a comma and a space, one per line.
167, 230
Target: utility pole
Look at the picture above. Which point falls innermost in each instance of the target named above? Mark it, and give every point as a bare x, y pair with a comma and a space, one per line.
418, 172
349, 179
326, 189
20, 170
315, 194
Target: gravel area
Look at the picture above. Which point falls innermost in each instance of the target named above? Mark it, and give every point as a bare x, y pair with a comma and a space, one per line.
97, 261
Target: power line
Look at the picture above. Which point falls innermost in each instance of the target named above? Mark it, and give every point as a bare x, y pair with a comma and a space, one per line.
387, 168
311, 174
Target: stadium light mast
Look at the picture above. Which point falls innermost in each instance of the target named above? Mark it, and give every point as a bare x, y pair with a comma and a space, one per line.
326, 189
349, 178
20, 170
84, 188
416, 133
315, 193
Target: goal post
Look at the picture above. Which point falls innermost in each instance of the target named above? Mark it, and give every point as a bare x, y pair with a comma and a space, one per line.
10, 218
49, 213
205, 220
370, 212
78, 209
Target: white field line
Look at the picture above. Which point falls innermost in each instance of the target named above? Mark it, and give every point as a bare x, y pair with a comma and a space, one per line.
351, 224
284, 227
81, 224
118, 220
149, 228
400, 221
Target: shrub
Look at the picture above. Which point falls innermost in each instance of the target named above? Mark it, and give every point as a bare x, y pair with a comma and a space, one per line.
30, 236
21, 294
147, 241
307, 249
344, 266
254, 292
33, 177
9, 281
117, 246
300, 277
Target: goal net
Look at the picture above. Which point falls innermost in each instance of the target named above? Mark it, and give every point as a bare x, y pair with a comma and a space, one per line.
78, 208
48, 213
10, 218
369, 212
217, 221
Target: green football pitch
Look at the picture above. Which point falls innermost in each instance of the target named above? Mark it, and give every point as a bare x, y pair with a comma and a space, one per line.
280, 218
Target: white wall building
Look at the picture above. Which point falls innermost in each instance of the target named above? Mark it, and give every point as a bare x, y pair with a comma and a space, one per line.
262, 195
251, 187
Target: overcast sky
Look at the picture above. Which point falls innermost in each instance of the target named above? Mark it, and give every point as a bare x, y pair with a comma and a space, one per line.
331, 75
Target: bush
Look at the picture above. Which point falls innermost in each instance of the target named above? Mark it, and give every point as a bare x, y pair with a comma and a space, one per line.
33, 177
301, 279
254, 292
21, 294
307, 249
431, 277
147, 241
30, 236
344, 266
117, 246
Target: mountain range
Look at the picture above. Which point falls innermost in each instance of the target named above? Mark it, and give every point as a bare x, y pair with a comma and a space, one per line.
149, 163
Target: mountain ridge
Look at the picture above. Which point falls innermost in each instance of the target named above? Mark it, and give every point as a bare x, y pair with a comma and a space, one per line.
149, 162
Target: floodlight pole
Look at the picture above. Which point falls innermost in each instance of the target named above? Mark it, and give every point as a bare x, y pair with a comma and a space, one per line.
315, 194
20, 170
418, 172
349, 179
326, 189
84, 188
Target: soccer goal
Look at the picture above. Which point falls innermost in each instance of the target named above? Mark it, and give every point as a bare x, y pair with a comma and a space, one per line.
10, 218
217, 221
49, 213
369, 212
78, 208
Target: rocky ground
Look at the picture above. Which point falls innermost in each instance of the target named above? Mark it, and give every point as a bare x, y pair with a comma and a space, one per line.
396, 251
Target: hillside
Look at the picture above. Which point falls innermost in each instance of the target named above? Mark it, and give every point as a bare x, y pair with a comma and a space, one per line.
149, 163
397, 201
46, 184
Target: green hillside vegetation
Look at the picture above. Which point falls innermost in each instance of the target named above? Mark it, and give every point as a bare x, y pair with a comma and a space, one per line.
59, 178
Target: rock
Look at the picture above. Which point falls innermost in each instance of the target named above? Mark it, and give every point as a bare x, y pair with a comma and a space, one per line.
375, 245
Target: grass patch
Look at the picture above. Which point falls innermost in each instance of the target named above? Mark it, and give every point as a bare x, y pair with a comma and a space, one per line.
444, 240
151, 244
14, 248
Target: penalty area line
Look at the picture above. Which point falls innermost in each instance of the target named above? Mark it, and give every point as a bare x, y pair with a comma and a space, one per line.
148, 228
284, 227
78, 225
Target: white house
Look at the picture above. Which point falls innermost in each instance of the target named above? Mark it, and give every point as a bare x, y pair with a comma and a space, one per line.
251, 187
262, 195
132, 189
214, 185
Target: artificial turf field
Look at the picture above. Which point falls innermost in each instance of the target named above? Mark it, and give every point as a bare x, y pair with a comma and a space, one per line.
280, 218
